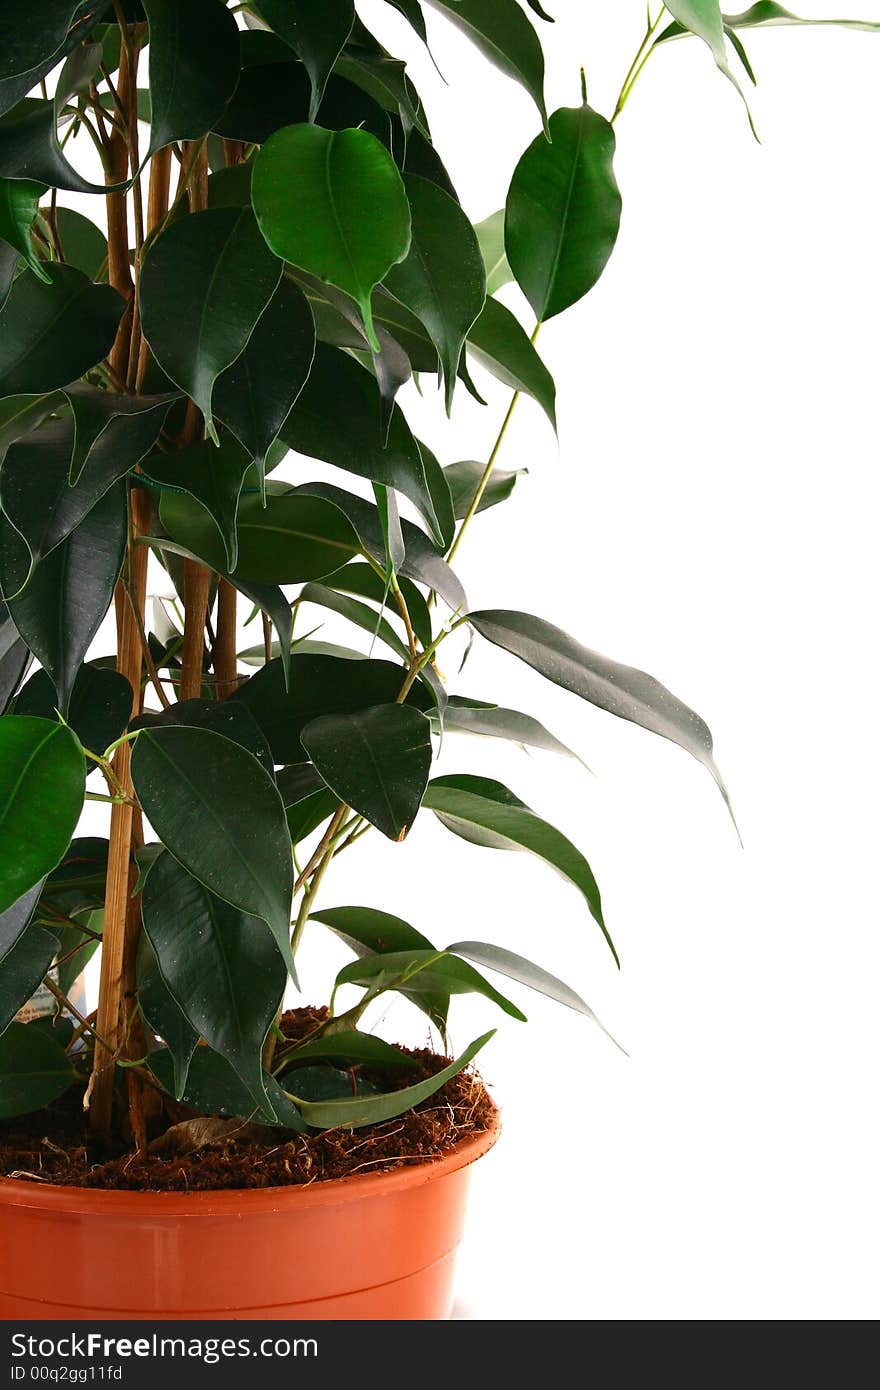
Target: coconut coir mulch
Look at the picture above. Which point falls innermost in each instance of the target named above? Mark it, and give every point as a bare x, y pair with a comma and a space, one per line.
53, 1145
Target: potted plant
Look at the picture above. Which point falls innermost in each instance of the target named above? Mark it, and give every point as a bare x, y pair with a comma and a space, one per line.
284, 251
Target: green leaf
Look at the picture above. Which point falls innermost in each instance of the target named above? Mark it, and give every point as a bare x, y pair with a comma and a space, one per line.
357, 613
19, 201
84, 244
29, 147
23, 969
765, 14
384, 79
490, 235
464, 479
352, 1048
622, 690
350, 221
498, 342
703, 18
52, 333
204, 285
15, 658
290, 540
494, 721
194, 66
442, 280
255, 395
377, 761
525, 972
219, 813
501, 32
222, 967
213, 1088
69, 592
100, 704
164, 1015
34, 1070
227, 717
27, 41
488, 813
563, 211
9, 261
42, 784
352, 439
367, 1110
429, 970
213, 476
368, 932
72, 938
319, 685
125, 427
16, 918
315, 29
363, 580
21, 414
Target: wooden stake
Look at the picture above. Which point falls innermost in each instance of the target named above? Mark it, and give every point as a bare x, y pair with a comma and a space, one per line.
225, 654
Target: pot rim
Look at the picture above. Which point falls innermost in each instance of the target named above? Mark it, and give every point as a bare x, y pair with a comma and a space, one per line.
228, 1201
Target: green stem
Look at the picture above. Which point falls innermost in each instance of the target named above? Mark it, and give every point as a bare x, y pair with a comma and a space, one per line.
487, 473
646, 48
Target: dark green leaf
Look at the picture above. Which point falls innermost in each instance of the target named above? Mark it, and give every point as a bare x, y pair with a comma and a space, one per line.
622, 690
72, 938
23, 969
494, 721
488, 813
165, 1016
766, 13
69, 592
222, 967
255, 395
213, 1088
377, 761
354, 1049
350, 220
14, 658
442, 280
357, 613
29, 147
32, 34
321, 1083
84, 244
52, 333
42, 783
21, 414
501, 32
227, 717
498, 342
194, 65
34, 1069
418, 971
352, 439
213, 476
384, 79
204, 285
464, 479
316, 30
19, 200
100, 704
319, 685
366, 1110
9, 264
16, 918
219, 813
124, 426
563, 211
703, 18
363, 580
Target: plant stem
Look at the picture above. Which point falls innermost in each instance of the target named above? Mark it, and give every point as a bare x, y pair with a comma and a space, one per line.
646, 48
74, 1011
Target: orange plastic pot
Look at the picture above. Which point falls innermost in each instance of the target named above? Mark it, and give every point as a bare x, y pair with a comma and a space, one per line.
374, 1246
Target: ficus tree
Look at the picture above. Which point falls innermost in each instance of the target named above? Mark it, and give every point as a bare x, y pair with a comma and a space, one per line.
282, 250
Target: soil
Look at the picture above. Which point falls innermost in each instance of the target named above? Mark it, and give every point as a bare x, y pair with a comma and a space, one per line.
53, 1145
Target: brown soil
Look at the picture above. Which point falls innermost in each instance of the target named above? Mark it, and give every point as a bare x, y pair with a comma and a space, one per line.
53, 1145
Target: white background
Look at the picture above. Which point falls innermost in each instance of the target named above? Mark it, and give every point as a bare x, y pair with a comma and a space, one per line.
709, 515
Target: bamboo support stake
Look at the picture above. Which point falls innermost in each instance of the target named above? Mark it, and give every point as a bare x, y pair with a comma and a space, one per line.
225, 653
118, 265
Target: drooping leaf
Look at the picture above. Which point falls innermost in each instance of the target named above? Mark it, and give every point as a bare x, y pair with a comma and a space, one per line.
100, 704
563, 211
52, 333
14, 658
255, 394
219, 813
21, 414
222, 967
490, 235
366, 1110
42, 784
213, 1088
319, 685
498, 342
501, 32
164, 1015
204, 285
316, 30
19, 200
30, 149
464, 479
227, 717
352, 439
766, 13
69, 592
384, 78
350, 221
703, 18
292, 539
84, 244
417, 971
213, 476
26, 41
16, 918
23, 969
443, 279
622, 690
488, 813
363, 580
494, 721
126, 426
34, 1070
352, 1048
357, 613
376, 760
194, 66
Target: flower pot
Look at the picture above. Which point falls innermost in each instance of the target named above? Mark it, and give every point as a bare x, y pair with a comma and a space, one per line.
372, 1246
